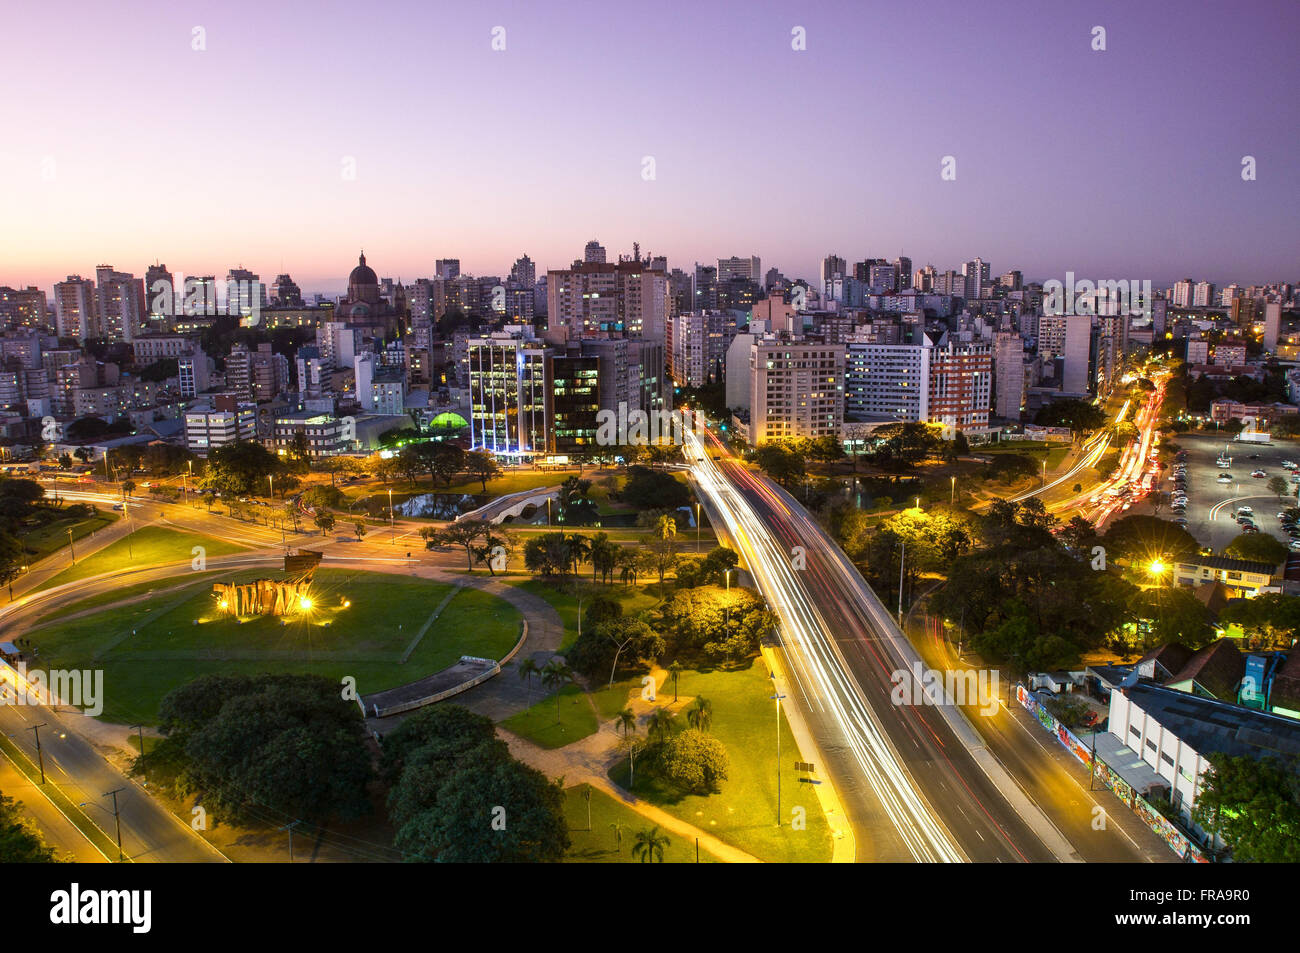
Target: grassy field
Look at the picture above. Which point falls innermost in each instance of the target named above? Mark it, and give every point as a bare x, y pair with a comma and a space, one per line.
554, 726
53, 536
633, 599
149, 647
743, 813
1055, 452
150, 545
596, 842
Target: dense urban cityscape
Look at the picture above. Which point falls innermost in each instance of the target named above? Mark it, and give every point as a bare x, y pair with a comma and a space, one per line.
728, 536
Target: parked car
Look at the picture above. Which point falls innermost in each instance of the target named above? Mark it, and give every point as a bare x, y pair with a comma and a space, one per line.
1258, 474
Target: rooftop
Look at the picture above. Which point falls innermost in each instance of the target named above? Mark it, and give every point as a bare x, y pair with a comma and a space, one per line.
1211, 726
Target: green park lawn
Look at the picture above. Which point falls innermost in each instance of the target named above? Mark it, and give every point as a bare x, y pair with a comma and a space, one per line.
633, 599
147, 648
53, 536
146, 547
595, 841
551, 725
743, 812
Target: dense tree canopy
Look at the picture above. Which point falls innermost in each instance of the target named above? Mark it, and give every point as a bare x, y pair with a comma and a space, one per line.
288, 744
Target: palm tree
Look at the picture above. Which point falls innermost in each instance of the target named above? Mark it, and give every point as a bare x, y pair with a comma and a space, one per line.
579, 547
556, 675
527, 669
617, 827
649, 846
674, 670
626, 719
661, 723
700, 714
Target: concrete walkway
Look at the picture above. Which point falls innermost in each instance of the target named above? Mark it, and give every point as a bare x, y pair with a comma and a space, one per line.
588, 760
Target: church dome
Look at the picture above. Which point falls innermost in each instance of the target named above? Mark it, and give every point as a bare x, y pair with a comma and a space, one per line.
363, 274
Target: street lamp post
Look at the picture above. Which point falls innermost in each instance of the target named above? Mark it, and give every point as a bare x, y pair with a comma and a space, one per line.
902, 558
727, 577
392, 524
697, 527
778, 696
71, 550
952, 493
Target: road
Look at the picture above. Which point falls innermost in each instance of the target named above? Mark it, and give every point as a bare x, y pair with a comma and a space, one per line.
915, 780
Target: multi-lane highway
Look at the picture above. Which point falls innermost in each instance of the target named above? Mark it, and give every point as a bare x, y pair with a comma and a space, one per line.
915, 780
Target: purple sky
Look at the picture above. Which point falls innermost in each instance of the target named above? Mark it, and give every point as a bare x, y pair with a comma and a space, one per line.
1123, 163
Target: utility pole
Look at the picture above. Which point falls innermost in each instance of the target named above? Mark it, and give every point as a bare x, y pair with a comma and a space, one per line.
117, 820
40, 758
140, 729
289, 828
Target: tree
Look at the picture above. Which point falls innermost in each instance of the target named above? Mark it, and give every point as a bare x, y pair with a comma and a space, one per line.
1079, 415
527, 669
20, 843
444, 460
1258, 548
661, 724
626, 720
694, 762
555, 675
465, 533
649, 846
1278, 487
490, 809
360, 527
648, 489
700, 714
11, 560
603, 554
239, 469
483, 466
674, 672
663, 544
324, 521
289, 744
1254, 806
782, 463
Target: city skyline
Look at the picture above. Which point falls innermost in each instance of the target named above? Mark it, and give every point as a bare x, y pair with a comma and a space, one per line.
1067, 158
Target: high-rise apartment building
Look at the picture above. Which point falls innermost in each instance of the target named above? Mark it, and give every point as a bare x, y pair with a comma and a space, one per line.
750, 269
119, 304
74, 308
596, 299
796, 390
1009, 374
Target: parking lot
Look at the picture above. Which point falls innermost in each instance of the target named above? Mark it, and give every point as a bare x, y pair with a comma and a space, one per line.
1211, 505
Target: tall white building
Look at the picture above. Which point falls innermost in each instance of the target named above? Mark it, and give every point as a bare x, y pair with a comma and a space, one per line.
1203, 295
1184, 293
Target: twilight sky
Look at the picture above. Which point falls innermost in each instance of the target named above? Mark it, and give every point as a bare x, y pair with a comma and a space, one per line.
124, 145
